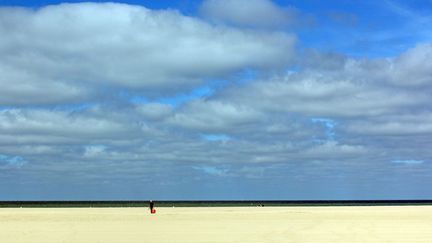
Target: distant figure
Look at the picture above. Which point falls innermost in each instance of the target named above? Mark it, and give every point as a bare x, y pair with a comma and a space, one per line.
152, 210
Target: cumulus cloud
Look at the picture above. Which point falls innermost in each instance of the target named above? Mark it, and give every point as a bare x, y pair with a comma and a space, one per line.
94, 151
326, 94
361, 96
211, 115
154, 111
331, 148
250, 13
70, 51
350, 88
329, 115
413, 67
402, 124
20, 87
287, 117
56, 123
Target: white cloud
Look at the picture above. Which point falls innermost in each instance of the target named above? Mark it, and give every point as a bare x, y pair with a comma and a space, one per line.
348, 88
154, 111
57, 124
74, 50
21, 87
326, 94
333, 108
214, 115
94, 151
267, 121
413, 67
332, 149
401, 125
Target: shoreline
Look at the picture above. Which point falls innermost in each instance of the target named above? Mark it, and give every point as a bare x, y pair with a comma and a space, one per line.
211, 203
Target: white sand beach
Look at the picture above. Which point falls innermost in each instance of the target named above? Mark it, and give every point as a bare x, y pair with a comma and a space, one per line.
219, 224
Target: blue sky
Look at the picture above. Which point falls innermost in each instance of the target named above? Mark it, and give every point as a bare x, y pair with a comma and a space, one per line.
215, 99
358, 29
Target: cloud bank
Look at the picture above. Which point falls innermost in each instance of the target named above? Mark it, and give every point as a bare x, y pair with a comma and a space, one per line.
89, 99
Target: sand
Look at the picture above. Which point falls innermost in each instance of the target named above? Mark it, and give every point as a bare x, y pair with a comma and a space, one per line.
229, 224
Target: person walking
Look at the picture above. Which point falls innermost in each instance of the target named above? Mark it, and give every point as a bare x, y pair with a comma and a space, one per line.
152, 206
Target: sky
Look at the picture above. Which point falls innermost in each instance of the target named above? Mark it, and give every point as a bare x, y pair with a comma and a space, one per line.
215, 100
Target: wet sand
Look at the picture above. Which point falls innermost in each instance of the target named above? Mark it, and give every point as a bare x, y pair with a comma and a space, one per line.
224, 224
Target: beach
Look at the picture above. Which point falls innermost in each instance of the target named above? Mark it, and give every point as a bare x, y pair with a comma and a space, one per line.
217, 224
